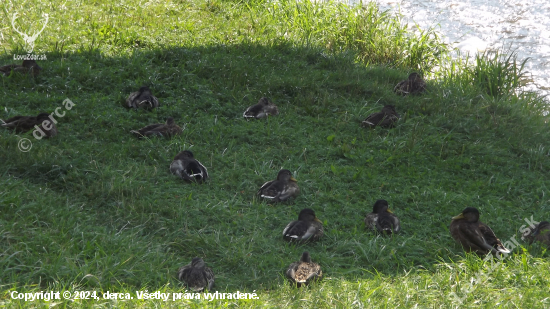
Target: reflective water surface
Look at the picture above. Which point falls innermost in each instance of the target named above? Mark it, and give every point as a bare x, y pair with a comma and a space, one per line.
477, 25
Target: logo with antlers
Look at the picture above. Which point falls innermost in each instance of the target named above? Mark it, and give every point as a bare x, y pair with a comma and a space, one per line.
29, 40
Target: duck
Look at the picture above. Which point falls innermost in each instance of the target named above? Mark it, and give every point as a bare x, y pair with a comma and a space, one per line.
280, 189
304, 271
475, 236
28, 66
262, 109
386, 118
167, 129
22, 124
143, 98
412, 85
306, 228
188, 168
381, 219
196, 275
540, 233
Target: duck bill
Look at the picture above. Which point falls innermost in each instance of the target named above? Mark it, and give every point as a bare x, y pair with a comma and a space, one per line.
293, 179
461, 216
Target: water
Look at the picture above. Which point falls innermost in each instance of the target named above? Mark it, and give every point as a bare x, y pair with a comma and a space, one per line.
478, 25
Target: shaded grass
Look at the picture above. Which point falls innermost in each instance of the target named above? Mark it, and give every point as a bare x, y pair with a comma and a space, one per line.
96, 209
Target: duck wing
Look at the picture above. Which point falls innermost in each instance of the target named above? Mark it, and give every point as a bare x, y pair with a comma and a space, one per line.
370, 220
147, 101
470, 237
271, 190
291, 271
209, 274
491, 239
195, 170
6, 69
131, 100
177, 167
152, 129
254, 111
301, 230
194, 278
387, 223
307, 272
21, 124
374, 119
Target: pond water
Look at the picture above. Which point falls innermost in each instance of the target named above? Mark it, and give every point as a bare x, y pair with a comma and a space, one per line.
478, 25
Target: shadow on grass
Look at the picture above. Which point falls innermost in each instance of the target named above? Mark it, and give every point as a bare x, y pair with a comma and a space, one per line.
97, 207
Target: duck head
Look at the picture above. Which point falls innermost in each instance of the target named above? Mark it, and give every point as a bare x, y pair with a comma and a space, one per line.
471, 214
198, 263
286, 176
307, 214
305, 257
187, 154
380, 206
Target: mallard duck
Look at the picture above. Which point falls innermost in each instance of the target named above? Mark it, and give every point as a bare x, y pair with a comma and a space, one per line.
413, 85
304, 271
22, 124
263, 109
196, 275
281, 189
474, 235
28, 66
168, 129
307, 227
187, 168
385, 118
540, 233
142, 99
382, 219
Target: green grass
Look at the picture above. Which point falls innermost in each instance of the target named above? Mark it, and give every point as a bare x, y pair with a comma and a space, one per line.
97, 209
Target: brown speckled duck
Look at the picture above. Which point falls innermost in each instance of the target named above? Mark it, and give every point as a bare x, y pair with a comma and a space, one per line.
196, 275
168, 129
473, 235
28, 67
412, 85
385, 118
22, 124
262, 109
280, 189
306, 228
187, 168
540, 233
382, 219
304, 271
143, 98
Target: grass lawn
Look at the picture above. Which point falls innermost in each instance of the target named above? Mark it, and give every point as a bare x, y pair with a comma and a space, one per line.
96, 209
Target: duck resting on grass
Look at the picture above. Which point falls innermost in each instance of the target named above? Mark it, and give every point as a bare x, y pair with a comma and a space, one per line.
540, 233
280, 189
28, 66
187, 168
196, 275
262, 109
385, 118
143, 98
412, 85
381, 219
167, 129
304, 271
475, 236
22, 124
306, 228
